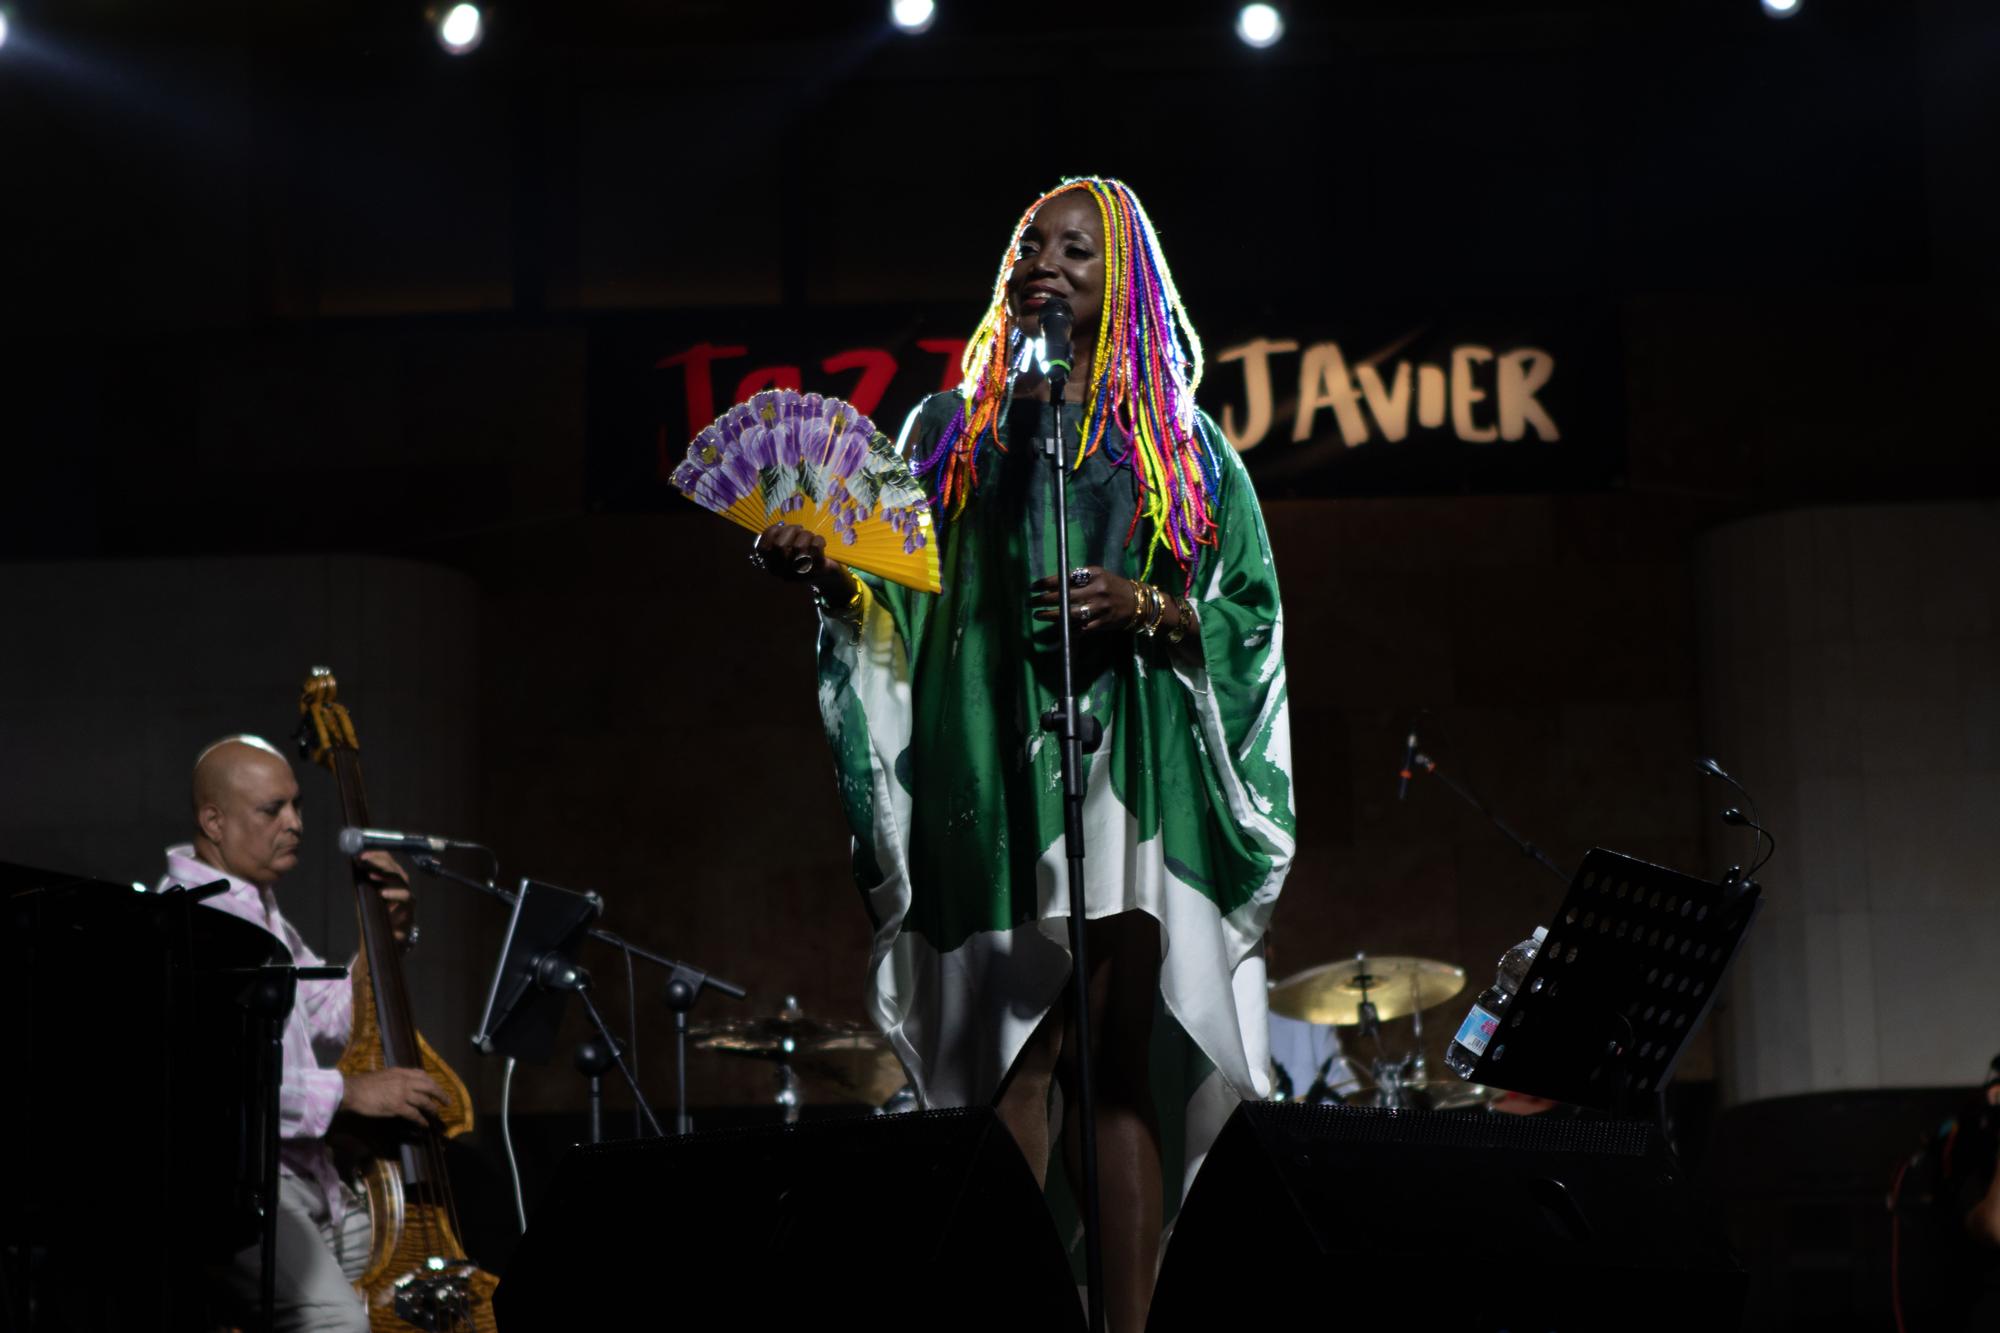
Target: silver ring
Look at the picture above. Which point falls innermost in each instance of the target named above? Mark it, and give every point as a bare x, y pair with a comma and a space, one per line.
410, 940
1078, 577
1083, 614
802, 564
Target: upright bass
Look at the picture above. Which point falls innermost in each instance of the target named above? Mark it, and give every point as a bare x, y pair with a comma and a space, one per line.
417, 1276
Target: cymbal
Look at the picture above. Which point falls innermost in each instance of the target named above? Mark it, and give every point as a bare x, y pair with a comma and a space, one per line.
1439, 1095
783, 1038
865, 1077
835, 1061
1332, 992
1456, 1096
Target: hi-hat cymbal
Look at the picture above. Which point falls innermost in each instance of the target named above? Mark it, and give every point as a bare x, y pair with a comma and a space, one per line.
1332, 992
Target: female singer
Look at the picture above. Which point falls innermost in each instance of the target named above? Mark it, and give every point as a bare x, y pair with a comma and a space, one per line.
933, 706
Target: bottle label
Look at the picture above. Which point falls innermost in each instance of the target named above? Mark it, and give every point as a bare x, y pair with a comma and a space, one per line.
1477, 1029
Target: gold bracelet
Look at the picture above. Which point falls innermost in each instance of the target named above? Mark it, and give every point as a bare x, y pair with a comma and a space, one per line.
1183, 619
848, 611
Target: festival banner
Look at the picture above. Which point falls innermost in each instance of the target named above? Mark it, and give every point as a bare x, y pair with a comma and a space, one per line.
1487, 400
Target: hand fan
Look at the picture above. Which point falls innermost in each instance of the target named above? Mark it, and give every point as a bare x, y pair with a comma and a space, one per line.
787, 457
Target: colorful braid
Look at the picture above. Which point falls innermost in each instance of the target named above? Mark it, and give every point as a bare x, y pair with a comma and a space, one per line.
1143, 378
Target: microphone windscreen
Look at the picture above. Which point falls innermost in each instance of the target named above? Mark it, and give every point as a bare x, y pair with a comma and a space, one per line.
352, 841
1057, 321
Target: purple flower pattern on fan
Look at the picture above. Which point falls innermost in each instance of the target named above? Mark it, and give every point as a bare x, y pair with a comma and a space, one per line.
834, 436
910, 523
788, 448
846, 511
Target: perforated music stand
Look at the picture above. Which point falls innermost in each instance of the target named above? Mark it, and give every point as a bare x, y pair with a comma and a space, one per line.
537, 972
1628, 972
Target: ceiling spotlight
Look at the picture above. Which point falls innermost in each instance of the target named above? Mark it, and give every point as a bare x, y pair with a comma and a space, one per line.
1781, 9
460, 28
912, 16
1259, 25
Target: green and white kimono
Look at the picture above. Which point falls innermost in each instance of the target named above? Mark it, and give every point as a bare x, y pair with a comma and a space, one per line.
953, 790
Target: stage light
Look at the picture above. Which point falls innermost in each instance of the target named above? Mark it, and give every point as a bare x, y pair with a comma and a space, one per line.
3, 28
1781, 9
912, 16
1259, 25
460, 28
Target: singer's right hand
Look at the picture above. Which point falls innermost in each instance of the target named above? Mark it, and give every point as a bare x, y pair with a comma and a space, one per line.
796, 555
790, 552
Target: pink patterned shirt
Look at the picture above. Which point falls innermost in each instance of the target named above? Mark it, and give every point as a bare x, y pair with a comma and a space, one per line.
315, 1034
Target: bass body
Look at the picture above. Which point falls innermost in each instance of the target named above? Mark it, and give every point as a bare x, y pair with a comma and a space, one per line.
417, 1275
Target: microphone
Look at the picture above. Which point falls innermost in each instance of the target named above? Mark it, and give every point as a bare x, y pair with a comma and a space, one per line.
354, 841
1409, 760
1735, 817
1057, 321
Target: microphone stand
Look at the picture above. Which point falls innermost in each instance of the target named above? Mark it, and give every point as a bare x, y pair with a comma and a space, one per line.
269, 1000
685, 984
554, 972
1423, 763
592, 1058
1077, 734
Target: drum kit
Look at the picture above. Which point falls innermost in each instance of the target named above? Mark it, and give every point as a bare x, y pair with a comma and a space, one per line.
843, 1063
852, 1064
1363, 992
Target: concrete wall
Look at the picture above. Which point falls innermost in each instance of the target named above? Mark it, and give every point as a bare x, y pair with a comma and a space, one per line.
118, 674
1851, 676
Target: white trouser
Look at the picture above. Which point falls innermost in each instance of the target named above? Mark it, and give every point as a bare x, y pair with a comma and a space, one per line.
317, 1263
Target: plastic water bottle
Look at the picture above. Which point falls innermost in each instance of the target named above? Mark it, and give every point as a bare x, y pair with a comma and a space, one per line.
1484, 1020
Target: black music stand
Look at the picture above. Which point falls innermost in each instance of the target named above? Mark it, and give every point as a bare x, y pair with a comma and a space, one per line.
525, 1002
537, 969
685, 983
1629, 970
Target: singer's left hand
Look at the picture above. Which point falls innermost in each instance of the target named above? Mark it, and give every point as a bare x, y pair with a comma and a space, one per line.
1100, 600
394, 885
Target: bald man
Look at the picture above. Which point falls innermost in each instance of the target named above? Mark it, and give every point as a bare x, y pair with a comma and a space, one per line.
247, 830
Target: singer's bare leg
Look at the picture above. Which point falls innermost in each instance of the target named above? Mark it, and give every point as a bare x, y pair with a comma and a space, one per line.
1023, 1103
1124, 979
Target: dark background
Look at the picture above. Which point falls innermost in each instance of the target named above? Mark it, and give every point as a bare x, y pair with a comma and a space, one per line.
256, 242
286, 280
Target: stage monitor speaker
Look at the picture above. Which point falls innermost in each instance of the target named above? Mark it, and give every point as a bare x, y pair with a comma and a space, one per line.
929, 1220
1442, 1220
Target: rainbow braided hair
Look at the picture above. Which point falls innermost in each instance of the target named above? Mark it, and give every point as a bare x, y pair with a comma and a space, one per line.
1147, 365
